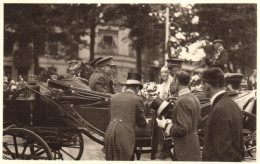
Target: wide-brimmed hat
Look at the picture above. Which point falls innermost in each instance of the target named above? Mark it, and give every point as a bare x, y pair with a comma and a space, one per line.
133, 79
160, 106
218, 41
105, 61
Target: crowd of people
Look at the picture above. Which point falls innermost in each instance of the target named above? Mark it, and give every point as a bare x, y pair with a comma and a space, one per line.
223, 136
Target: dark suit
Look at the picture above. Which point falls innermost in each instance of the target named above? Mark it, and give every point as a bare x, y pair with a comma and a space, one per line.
185, 118
223, 136
127, 110
101, 82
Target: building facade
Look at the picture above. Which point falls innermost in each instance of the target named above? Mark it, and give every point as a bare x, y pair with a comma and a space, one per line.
109, 41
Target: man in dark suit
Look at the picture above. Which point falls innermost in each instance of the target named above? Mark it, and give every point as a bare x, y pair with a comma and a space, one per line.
223, 139
100, 80
185, 118
126, 111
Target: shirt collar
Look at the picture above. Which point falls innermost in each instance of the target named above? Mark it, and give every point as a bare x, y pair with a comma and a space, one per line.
130, 90
216, 95
183, 91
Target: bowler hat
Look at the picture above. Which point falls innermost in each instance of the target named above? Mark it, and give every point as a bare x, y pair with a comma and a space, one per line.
174, 62
160, 106
218, 41
105, 61
93, 62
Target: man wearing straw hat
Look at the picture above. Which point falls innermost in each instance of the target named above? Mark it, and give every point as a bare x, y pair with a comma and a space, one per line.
100, 80
126, 111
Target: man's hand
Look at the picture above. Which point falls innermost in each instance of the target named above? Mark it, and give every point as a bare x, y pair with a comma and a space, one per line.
161, 123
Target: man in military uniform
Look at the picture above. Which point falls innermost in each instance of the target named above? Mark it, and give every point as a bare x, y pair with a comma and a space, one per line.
220, 58
100, 80
174, 65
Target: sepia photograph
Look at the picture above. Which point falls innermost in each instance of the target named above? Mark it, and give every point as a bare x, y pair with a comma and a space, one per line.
129, 81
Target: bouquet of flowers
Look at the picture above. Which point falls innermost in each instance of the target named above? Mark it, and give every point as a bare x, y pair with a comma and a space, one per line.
149, 91
195, 83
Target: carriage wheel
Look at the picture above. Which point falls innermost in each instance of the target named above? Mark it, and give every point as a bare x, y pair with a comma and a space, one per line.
249, 134
18, 142
69, 146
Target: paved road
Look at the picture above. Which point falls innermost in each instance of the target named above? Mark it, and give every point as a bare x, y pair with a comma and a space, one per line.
93, 151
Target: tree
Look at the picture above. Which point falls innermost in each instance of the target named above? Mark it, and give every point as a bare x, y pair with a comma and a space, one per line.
27, 24
33, 26
236, 25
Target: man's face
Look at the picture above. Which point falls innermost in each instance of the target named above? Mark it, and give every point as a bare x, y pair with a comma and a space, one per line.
175, 85
174, 69
108, 69
206, 89
217, 45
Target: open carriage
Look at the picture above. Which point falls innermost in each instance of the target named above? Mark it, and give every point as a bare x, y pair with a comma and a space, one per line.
51, 126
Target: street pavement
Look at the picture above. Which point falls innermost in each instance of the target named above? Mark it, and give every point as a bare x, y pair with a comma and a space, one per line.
92, 151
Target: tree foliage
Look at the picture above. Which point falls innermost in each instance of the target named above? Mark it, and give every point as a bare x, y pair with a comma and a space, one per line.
33, 26
236, 25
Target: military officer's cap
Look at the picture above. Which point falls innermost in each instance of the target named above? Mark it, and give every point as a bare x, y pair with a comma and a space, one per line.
93, 62
218, 41
73, 61
174, 62
106, 61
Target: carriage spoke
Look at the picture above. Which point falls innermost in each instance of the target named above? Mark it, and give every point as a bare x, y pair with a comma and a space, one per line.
24, 149
34, 153
7, 158
15, 146
8, 150
55, 155
67, 153
250, 137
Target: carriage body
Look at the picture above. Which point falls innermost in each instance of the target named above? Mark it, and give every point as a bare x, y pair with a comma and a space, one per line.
60, 119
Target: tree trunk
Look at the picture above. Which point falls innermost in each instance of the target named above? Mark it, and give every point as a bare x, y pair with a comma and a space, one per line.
38, 50
139, 60
35, 61
92, 41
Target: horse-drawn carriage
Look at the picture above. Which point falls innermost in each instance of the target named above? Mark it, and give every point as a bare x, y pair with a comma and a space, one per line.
50, 126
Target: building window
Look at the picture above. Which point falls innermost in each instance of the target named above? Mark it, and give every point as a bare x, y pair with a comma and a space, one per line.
23, 71
108, 42
8, 72
108, 39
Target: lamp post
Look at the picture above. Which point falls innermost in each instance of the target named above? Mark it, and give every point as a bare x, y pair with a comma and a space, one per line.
167, 23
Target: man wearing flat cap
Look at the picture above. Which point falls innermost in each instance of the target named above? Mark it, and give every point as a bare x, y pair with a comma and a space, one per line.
220, 57
100, 80
126, 111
